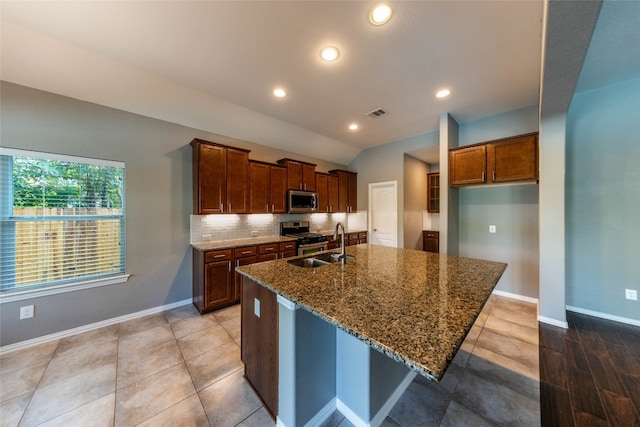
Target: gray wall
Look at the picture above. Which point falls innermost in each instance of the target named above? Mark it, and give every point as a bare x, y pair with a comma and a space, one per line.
415, 200
603, 199
513, 209
386, 163
158, 191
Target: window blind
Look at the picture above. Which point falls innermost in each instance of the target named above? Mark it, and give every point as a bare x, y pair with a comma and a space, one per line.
61, 219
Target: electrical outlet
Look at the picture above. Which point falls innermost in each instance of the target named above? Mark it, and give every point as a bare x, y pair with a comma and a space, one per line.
27, 312
206, 237
492, 229
631, 294
256, 307
254, 233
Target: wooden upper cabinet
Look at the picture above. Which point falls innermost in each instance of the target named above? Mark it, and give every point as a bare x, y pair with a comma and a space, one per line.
268, 188
433, 192
347, 190
300, 175
513, 160
322, 188
260, 188
209, 178
332, 190
505, 160
220, 178
278, 189
237, 181
468, 165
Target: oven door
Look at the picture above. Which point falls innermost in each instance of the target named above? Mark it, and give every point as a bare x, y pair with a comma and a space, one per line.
312, 248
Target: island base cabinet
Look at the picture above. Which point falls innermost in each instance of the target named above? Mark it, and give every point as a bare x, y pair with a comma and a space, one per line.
259, 342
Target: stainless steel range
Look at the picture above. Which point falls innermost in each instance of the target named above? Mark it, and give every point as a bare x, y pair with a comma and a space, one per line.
307, 242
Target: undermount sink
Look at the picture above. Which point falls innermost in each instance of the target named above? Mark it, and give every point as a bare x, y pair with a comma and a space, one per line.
308, 262
331, 256
318, 260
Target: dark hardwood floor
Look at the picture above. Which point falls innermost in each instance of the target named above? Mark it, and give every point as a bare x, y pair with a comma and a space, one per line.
589, 373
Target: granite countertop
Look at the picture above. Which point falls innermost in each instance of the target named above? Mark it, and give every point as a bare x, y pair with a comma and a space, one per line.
236, 243
416, 307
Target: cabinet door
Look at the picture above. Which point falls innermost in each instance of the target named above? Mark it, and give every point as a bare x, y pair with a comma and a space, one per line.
294, 175
433, 192
308, 177
259, 342
237, 288
278, 189
353, 192
513, 160
468, 165
260, 188
210, 179
431, 241
322, 189
218, 284
343, 192
237, 181
332, 190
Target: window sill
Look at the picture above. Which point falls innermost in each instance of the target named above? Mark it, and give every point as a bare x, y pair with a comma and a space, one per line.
11, 296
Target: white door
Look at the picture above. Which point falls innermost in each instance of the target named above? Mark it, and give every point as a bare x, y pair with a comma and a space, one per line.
383, 213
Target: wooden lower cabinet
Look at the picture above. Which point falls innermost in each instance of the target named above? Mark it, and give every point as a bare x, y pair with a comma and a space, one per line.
288, 249
213, 279
259, 342
431, 241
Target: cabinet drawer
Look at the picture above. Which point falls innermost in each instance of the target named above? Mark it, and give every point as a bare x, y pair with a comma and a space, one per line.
245, 251
270, 248
287, 246
352, 236
431, 234
362, 236
224, 255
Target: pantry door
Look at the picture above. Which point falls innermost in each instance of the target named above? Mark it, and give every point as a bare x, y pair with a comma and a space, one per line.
383, 213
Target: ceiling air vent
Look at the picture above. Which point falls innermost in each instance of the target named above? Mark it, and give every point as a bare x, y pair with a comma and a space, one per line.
376, 113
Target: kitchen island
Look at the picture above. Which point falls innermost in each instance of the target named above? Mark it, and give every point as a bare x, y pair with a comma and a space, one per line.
413, 307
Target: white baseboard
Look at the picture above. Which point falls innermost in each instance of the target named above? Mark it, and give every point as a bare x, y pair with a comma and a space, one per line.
604, 315
378, 419
63, 334
392, 400
323, 414
554, 322
515, 296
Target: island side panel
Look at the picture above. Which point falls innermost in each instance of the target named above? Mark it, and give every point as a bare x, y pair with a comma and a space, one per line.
259, 342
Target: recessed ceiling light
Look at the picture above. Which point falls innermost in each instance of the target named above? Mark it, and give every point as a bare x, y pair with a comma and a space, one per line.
329, 53
279, 92
443, 93
380, 14
353, 126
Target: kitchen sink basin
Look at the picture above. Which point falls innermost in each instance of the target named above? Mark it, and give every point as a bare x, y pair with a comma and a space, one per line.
331, 256
308, 262
318, 260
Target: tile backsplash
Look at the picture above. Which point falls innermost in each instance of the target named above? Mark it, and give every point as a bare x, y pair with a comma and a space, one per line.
230, 226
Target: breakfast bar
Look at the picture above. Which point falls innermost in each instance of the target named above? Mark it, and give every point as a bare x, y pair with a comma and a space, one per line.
353, 335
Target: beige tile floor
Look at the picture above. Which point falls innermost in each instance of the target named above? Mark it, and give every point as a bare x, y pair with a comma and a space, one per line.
181, 369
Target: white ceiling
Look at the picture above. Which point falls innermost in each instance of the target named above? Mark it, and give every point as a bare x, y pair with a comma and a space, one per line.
487, 52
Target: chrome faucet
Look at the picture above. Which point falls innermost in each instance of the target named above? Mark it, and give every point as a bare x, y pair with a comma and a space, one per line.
343, 254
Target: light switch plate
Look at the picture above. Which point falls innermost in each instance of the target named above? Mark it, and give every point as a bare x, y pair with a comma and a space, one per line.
492, 229
27, 312
631, 294
256, 307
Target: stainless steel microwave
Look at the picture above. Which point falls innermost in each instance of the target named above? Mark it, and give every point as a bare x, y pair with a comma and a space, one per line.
302, 201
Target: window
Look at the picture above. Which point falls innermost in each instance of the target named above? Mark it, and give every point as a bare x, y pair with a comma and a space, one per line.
61, 220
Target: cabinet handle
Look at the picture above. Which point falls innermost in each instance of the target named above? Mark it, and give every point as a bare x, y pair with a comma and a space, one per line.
305, 186
221, 207
237, 263
246, 252
229, 207
267, 208
494, 176
482, 176
219, 256
229, 267
273, 208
